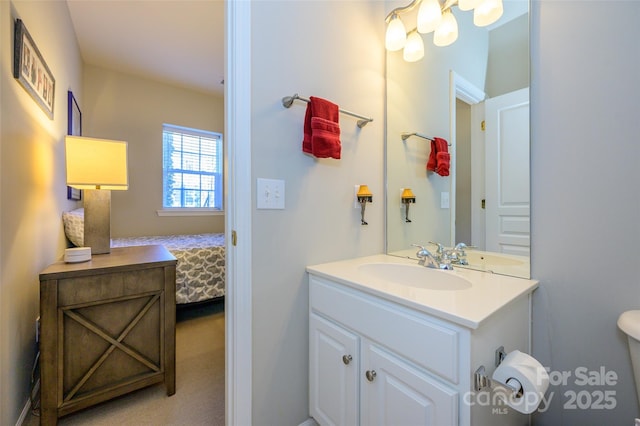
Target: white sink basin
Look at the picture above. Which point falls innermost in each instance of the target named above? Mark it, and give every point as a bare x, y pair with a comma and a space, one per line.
415, 276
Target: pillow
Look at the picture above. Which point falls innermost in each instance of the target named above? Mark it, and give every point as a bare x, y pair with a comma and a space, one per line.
74, 226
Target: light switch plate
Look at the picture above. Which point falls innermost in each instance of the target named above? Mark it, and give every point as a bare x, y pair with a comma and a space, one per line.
444, 200
270, 194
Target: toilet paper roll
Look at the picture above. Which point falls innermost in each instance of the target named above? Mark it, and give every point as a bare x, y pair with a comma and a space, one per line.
520, 368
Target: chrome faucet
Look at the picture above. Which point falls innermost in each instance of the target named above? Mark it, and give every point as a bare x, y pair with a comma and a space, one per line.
425, 258
458, 254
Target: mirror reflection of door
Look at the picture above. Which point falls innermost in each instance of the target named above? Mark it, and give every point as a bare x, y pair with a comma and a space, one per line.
507, 176
492, 173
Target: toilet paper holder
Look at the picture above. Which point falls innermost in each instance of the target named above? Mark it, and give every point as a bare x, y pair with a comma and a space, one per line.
481, 379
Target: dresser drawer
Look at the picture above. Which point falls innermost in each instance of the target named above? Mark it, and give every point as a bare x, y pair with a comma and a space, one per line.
413, 335
72, 291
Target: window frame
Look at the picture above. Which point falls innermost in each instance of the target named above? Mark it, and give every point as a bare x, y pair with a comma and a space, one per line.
218, 174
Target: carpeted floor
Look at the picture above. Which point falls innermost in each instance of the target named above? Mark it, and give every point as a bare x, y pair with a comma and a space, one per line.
199, 397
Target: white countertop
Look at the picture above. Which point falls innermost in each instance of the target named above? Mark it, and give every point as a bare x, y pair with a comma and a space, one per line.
468, 307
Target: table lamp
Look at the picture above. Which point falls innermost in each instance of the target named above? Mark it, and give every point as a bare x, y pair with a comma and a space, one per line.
97, 166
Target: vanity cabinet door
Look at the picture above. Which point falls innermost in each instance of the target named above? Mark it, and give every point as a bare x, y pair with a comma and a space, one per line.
333, 373
397, 393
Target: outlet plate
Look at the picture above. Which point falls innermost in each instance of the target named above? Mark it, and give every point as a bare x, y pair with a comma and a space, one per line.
270, 194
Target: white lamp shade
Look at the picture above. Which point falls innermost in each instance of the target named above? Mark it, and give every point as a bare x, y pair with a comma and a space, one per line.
96, 163
468, 4
447, 31
487, 12
396, 36
414, 49
429, 16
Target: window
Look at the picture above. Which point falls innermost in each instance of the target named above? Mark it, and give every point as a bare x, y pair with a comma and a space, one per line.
192, 168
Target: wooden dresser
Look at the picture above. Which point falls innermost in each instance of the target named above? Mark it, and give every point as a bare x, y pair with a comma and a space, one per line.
107, 328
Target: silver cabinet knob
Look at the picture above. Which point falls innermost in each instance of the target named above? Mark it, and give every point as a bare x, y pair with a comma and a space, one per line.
346, 359
370, 375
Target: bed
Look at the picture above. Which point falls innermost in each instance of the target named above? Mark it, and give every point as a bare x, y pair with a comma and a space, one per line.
200, 268
200, 271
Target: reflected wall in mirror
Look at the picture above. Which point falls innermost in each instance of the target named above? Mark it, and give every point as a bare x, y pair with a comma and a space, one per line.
481, 78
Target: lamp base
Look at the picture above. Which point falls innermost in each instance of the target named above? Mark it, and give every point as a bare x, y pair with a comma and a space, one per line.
97, 220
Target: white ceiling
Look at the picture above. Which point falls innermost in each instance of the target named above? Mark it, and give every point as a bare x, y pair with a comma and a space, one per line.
179, 42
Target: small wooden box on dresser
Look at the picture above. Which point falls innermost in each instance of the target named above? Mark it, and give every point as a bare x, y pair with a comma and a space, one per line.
107, 328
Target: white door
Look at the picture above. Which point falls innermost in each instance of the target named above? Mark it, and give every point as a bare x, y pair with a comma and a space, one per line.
396, 393
333, 373
507, 173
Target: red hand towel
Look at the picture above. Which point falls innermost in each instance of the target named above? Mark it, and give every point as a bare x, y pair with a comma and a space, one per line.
431, 163
325, 139
306, 138
329, 136
443, 160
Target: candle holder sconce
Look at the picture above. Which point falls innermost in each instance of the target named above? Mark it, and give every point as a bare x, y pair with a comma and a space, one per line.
407, 199
364, 196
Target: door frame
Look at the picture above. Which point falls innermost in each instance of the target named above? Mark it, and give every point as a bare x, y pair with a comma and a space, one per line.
459, 88
238, 206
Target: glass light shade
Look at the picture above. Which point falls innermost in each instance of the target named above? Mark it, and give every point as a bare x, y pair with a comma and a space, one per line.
414, 49
429, 16
487, 12
396, 36
468, 4
447, 31
96, 163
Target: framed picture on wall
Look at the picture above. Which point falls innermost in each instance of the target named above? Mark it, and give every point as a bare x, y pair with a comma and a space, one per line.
74, 128
31, 71
74, 120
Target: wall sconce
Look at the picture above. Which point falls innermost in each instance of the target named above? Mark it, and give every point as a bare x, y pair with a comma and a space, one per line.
97, 166
436, 17
364, 196
407, 198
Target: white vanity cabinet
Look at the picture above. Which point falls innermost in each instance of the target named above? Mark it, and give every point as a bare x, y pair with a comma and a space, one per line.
334, 371
396, 393
392, 390
374, 361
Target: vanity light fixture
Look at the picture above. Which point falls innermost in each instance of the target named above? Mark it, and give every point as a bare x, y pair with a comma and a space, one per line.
437, 17
447, 31
364, 196
414, 49
407, 198
396, 36
97, 166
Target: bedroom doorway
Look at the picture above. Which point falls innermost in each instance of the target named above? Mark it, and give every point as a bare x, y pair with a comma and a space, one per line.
107, 41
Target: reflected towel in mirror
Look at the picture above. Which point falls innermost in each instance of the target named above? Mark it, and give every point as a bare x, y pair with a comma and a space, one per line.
439, 159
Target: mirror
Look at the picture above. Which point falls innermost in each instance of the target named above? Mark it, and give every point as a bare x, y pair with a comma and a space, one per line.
484, 201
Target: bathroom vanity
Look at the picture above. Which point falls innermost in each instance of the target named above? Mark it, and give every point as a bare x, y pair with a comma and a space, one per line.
392, 342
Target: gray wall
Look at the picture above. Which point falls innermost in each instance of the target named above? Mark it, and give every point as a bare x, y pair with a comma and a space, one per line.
508, 64
585, 197
131, 108
332, 50
33, 193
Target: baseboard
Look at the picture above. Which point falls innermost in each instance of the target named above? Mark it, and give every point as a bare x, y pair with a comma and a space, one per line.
26, 410
309, 422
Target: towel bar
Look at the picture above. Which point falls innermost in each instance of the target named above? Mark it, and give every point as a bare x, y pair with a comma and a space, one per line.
287, 101
407, 135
